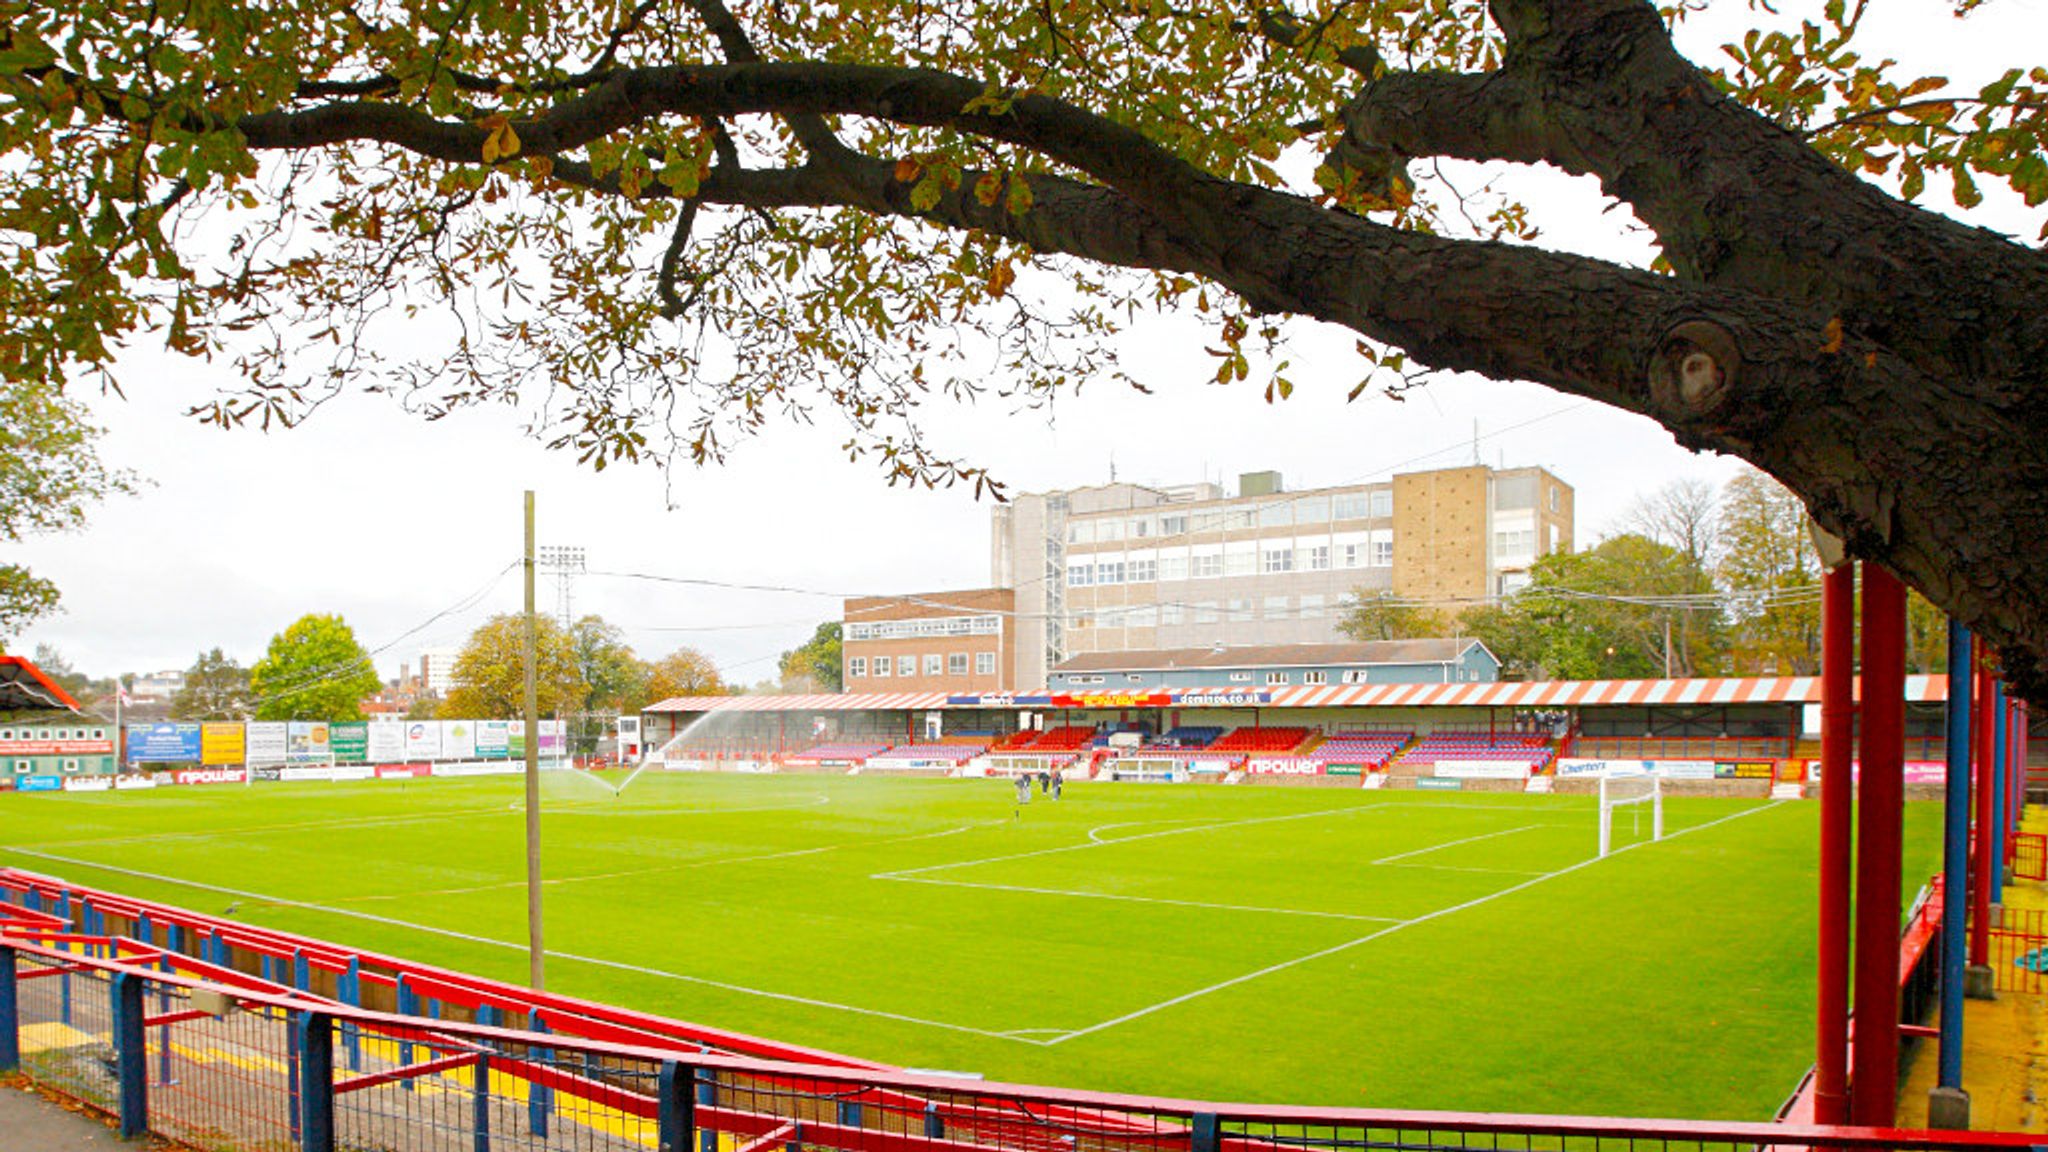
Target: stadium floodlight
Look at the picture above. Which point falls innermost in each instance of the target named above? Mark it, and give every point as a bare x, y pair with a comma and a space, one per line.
1626, 791
564, 562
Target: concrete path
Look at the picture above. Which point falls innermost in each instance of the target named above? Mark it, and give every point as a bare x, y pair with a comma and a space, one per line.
30, 1123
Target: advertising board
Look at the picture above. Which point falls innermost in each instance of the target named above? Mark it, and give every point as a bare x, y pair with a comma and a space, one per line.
1745, 769
1483, 769
88, 783
163, 744
208, 776
385, 743
458, 739
305, 742
266, 740
222, 744
493, 739
39, 784
1439, 784
423, 740
1285, 766
350, 742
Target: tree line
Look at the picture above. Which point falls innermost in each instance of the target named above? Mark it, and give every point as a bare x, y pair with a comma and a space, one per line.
1699, 581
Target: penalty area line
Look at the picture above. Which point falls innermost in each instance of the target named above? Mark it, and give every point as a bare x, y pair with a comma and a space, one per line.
1133, 899
1425, 918
473, 938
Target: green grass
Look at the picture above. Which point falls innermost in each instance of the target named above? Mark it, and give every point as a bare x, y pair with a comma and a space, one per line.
1194, 941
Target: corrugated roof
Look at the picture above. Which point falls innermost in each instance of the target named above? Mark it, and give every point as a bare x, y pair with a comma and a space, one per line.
25, 687
1436, 651
1700, 692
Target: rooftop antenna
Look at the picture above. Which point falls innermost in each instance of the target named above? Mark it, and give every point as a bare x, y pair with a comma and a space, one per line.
1475, 444
1112, 467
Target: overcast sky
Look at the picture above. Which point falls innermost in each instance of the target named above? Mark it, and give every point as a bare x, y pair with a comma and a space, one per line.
387, 519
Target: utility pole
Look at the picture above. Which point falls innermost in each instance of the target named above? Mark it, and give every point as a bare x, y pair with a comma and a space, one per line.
535, 950
1667, 647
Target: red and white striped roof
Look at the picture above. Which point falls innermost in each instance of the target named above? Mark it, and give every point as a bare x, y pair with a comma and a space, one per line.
822, 702
1509, 694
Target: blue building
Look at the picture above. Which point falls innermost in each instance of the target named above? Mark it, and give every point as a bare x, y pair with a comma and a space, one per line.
1451, 660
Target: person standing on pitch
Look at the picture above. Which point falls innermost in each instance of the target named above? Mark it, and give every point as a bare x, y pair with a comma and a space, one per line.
1058, 778
1023, 787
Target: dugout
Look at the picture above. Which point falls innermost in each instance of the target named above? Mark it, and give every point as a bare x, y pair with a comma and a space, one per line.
44, 735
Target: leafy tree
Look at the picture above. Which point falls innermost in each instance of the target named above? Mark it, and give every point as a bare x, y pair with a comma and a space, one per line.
425, 707
692, 215
216, 688
1772, 573
93, 696
616, 679
1602, 614
815, 666
1385, 616
313, 670
490, 671
684, 672
49, 475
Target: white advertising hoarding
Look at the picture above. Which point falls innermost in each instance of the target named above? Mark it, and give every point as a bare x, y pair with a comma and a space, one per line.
423, 740
386, 741
266, 741
458, 739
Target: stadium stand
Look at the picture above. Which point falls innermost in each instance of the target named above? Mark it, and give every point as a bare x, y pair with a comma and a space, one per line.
1683, 748
1261, 741
1535, 751
1369, 750
950, 753
856, 753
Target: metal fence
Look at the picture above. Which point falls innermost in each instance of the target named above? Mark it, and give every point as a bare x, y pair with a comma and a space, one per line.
227, 1066
2019, 949
2030, 856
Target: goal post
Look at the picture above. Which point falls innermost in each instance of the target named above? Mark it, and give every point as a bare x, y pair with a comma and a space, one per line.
1618, 792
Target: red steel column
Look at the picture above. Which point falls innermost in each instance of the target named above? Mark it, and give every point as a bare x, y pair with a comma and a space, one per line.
1980, 856
1837, 717
1880, 815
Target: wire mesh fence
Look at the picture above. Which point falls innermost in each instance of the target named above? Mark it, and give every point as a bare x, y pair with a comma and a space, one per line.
231, 1066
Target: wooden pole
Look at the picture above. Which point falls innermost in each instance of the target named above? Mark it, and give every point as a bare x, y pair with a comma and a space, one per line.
536, 950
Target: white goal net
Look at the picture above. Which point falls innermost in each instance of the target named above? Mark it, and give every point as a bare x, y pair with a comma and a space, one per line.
1633, 793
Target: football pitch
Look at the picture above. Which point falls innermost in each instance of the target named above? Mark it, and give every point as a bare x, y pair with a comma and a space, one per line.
1318, 946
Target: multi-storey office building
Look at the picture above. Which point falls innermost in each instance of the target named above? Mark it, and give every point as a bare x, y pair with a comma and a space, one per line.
930, 642
1123, 567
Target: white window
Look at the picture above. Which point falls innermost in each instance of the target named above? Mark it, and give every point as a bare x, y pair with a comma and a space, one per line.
1319, 558
956, 664
1315, 677
1277, 608
1352, 555
1278, 515
1355, 676
1237, 609
1280, 560
6, 733
1111, 572
1169, 615
1383, 553
1109, 531
1173, 566
1208, 567
1240, 561
1312, 606
1352, 506
1109, 617
882, 666
1142, 571
906, 665
857, 666
1081, 621
1143, 616
1081, 532
1141, 528
1276, 677
1383, 503
1311, 509
1240, 677
1084, 679
1205, 611
22, 767
1079, 575
1172, 525
1133, 678
934, 664
71, 765
984, 663
1556, 499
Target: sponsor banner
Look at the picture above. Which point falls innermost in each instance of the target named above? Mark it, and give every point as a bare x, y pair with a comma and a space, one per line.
1285, 766
477, 769
1926, 772
267, 772
423, 740
56, 747
494, 739
553, 737
1439, 784
163, 744
1681, 769
963, 700
403, 771
6, 783
349, 742
385, 742
1577, 766
305, 742
1746, 769
327, 772
458, 739
209, 775
128, 782
88, 783
222, 744
39, 784
1343, 770
266, 744
1111, 700
1483, 769
1214, 698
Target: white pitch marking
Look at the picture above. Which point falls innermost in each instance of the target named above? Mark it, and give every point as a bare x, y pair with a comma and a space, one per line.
1139, 899
1425, 918
1455, 843
786, 997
